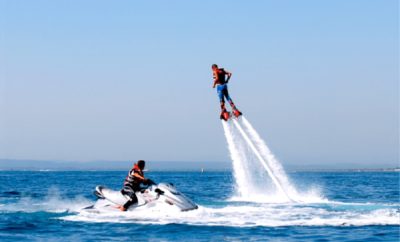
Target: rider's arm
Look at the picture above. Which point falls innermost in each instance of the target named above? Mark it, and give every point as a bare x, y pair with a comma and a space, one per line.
137, 175
215, 74
229, 74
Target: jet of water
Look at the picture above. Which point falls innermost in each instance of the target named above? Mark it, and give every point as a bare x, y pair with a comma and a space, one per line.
255, 167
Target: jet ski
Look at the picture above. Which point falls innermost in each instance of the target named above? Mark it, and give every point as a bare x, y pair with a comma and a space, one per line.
153, 195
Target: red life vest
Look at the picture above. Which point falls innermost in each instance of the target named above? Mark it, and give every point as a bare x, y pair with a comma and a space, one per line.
131, 180
221, 76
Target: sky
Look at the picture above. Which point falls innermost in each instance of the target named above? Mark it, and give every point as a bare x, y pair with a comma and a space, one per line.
129, 80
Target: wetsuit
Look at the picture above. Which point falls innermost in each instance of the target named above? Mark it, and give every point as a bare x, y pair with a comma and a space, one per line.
132, 185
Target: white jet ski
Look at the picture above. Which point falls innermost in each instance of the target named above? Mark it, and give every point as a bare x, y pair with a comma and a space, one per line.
163, 193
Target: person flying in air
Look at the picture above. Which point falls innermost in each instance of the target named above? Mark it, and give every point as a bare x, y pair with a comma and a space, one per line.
132, 184
221, 82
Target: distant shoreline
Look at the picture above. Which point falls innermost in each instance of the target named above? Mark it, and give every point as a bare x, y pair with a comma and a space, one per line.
165, 166
383, 170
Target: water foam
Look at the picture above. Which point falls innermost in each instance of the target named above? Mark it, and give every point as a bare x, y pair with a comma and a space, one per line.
259, 176
267, 207
250, 215
53, 202
257, 201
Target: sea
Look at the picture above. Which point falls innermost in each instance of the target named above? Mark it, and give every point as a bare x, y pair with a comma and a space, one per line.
347, 206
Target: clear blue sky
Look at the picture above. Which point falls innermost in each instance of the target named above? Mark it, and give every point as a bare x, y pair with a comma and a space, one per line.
123, 80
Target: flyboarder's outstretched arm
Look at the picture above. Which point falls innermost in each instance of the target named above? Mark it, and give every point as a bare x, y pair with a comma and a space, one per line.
229, 74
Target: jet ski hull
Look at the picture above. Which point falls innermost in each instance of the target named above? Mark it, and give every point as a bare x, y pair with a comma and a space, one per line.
163, 193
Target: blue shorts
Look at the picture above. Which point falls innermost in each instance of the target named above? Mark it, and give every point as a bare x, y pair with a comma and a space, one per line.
223, 92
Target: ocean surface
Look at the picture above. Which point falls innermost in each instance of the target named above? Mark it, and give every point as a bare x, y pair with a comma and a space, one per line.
353, 206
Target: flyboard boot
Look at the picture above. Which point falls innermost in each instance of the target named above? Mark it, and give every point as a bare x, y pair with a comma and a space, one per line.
225, 115
235, 111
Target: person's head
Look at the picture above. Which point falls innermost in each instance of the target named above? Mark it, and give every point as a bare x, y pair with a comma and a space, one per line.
141, 164
214, 66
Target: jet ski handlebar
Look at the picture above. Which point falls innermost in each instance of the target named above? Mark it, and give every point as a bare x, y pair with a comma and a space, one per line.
149, 182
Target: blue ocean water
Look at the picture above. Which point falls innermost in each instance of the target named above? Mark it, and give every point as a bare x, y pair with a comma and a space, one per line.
46, 206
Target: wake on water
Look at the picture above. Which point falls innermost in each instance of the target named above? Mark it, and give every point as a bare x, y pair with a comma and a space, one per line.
264, 196
235, 214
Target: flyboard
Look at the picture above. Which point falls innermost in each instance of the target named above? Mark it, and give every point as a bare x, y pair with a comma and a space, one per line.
225, 115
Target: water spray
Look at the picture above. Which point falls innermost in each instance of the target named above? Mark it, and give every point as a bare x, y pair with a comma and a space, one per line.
262, 161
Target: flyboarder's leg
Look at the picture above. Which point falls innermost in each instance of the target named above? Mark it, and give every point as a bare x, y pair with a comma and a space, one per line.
227, 97
232, 105
236, 112
222, 94
220, 90
224, 114
223, 109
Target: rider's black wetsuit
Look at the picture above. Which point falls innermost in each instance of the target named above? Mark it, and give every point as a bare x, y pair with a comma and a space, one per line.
132, 185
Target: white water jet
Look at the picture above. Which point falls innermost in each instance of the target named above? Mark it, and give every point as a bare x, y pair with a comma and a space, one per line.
273, 162
235, 146
258, 174
261, 159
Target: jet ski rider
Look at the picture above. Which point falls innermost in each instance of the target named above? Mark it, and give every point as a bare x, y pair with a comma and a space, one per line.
132, 184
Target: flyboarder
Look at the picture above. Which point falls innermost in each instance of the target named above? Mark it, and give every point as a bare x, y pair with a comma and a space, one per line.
221, 82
